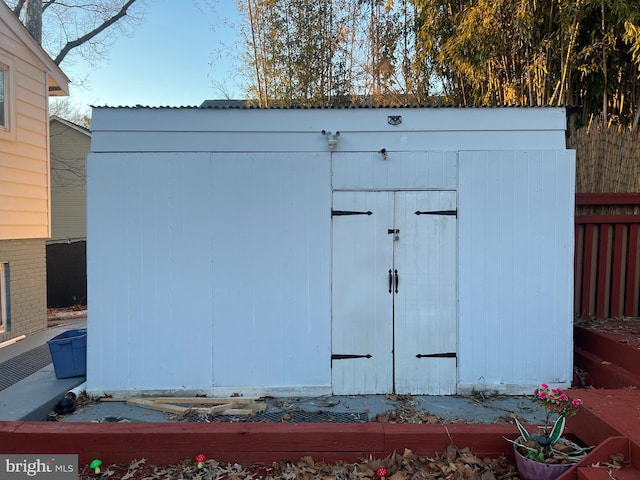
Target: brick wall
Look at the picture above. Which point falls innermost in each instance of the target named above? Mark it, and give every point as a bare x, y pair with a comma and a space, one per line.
27, 286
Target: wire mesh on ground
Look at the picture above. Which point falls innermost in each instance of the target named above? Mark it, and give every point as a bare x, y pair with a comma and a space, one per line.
21, 366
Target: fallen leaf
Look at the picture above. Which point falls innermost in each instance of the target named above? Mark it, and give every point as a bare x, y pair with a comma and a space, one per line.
398, 476
451, 452
617, 458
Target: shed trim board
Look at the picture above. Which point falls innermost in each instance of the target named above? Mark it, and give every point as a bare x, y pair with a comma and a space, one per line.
247, 251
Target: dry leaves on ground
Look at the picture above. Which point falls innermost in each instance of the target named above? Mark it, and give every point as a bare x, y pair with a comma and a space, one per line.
404, 413
453, 464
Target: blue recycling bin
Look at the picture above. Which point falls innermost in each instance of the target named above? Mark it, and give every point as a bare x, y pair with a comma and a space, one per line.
69, 353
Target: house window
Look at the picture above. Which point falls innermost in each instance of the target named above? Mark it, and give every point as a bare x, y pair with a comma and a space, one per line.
3, 96
4, 296
7, 96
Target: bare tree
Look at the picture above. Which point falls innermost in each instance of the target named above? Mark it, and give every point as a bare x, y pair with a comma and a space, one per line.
86, 27
65, 108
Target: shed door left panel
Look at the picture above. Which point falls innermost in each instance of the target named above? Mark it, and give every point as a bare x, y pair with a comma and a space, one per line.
362, 328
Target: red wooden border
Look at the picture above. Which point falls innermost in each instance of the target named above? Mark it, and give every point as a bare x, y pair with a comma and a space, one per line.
609, 346
162, 443
247, 443
607, 198
587, 219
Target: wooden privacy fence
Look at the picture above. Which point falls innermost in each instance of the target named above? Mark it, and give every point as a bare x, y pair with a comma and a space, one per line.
607, 256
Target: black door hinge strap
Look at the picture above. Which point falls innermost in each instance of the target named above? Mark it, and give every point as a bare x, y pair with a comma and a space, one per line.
341, 213
437, 355
439, 212
348, 357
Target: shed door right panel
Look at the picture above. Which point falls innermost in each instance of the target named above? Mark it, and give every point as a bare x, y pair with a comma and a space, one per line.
394, 292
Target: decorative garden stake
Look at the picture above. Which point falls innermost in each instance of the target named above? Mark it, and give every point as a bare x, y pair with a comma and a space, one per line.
382, 473
200, 458
95, 464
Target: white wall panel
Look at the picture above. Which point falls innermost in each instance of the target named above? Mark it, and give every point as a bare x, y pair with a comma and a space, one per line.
149, 273
515, 269
272, 286
399, 170
194, 281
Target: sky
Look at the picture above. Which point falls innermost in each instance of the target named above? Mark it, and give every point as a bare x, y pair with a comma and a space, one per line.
175, 57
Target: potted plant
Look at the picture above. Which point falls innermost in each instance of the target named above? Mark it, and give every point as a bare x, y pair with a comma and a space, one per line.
545, 454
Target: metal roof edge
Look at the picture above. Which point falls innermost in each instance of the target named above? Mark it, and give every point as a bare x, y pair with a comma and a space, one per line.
572, 108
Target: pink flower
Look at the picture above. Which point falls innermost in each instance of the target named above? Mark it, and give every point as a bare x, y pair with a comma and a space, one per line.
564, 397
542, 396
576, 402
545, 386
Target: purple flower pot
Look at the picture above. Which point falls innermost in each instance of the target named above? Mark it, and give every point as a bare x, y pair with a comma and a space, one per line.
532, 470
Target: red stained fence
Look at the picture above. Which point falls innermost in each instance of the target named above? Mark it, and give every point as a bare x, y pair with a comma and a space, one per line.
607, 258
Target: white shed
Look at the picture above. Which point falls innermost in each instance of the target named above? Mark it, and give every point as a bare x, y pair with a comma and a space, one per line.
259, 251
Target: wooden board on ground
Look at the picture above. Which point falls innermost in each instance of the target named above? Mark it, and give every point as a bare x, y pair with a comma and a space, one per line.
164, 407
199, 405
204, 400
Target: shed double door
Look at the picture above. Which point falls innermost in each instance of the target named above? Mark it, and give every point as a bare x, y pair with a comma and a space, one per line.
394, 325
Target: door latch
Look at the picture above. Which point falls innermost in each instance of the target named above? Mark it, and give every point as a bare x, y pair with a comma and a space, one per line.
395, 232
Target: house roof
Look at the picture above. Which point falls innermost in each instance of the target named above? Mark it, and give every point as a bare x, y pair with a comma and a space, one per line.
58, 82
74, 126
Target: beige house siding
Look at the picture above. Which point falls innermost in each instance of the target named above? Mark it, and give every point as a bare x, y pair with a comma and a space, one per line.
27, 286
31, 77
24, 150
24, 200
69, 147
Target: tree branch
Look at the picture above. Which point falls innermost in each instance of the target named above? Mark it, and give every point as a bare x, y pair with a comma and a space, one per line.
17, 10
46, 5
88, 36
